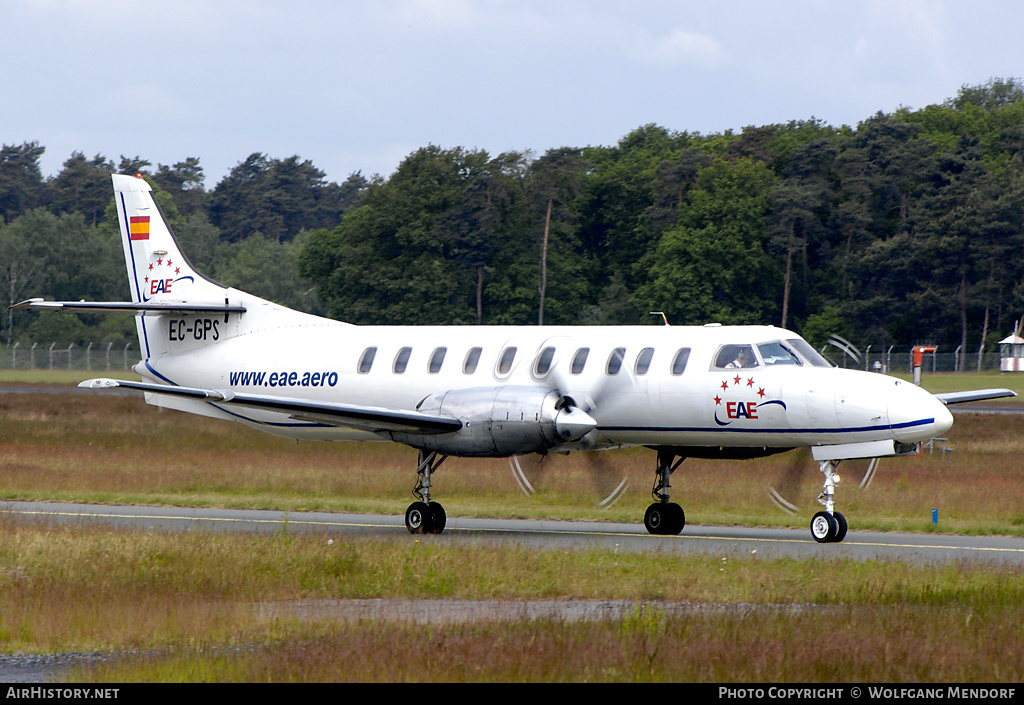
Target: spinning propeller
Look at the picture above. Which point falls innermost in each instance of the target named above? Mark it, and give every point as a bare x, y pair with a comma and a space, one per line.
606, 477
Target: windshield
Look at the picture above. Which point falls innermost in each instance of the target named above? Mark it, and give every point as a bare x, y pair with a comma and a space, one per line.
810, 354
777, 354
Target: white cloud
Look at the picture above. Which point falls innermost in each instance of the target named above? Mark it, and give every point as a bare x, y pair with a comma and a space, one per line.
678, 48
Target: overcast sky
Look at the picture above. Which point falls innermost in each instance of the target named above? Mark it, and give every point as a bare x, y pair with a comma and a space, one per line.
357, 86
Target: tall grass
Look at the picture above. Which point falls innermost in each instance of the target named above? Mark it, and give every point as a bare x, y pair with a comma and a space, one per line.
193, 605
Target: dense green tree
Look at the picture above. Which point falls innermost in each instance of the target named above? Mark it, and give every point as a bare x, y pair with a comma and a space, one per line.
714, 265
82, 186
552, 188
21, 182
267, 269
57, 257
407, 253
184, 181
621, 191
277, 198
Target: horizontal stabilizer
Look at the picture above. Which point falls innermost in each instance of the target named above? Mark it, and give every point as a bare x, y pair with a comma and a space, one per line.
363, 418
975, 395
134, 308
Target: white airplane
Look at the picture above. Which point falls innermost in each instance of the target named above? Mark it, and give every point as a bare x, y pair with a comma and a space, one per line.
501, 391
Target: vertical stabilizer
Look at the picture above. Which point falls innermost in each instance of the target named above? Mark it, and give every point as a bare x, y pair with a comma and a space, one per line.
158, 272
157, 269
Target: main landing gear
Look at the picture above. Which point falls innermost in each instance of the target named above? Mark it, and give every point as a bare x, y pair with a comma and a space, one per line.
828, 526
424, 516
664, 518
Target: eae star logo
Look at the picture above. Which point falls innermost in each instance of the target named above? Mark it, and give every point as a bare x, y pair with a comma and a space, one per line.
162, 275
741, 398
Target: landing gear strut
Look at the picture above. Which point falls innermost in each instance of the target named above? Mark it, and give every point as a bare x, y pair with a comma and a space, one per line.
828, 526
664, 518
424, 516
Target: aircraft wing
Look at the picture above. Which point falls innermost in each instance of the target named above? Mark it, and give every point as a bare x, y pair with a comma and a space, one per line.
975, 395
363, 418
134, 308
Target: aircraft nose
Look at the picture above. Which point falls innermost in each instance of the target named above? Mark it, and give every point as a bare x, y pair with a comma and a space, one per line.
915, 415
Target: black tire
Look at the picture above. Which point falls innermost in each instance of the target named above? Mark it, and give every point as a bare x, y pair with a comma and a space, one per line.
841, 522
677, 520
438, 518
824, 527
418, 518
656, 519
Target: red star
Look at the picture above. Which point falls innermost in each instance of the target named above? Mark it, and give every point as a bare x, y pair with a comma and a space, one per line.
151, 267
736, 379
159, 261
718, 400
177, 270
146, 279
750, 382
168, 263
725, 384
760, 392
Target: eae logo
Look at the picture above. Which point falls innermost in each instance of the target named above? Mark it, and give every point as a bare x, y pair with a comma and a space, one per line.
745, 407
158, 282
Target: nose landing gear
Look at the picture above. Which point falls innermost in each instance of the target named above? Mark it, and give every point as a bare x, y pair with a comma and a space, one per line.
828, 526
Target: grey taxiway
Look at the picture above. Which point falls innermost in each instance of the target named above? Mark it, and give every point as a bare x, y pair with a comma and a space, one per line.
927, 548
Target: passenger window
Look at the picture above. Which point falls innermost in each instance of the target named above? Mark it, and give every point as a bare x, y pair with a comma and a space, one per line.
472, 360
505, 363
401, 361
643, 361
735, 356
579, 361
436, 360
615, 361
543, 365
366, 361
679, 361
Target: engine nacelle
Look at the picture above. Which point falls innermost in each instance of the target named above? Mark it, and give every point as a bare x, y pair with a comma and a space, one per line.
501, 421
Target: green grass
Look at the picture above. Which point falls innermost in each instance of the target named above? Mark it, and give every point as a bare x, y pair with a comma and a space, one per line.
193, 605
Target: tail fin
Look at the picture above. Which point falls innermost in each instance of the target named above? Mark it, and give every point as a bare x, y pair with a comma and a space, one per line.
158, 272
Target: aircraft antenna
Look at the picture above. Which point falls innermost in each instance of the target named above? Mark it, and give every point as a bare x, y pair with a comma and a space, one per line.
662, 314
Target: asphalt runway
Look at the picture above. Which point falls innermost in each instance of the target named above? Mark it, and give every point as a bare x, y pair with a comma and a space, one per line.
714, 540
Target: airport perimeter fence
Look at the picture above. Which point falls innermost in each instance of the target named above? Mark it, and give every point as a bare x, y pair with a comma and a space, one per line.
900, 360
93, 357
58, 356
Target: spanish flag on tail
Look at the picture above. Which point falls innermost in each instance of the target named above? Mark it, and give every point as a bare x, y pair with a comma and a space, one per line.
139, 227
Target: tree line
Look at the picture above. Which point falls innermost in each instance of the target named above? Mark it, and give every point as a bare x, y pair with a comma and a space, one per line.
908, 228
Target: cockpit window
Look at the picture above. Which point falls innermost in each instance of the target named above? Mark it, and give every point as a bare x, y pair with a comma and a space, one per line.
777, 354
735, 357
809, 353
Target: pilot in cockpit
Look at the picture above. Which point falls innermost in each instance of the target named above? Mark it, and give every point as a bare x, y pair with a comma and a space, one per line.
737, 357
